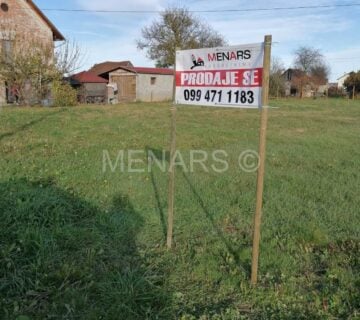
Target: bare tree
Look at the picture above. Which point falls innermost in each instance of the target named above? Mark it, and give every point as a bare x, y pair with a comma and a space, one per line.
307, 58
277, 81
312, 68
177, 27
320, 73
68, 57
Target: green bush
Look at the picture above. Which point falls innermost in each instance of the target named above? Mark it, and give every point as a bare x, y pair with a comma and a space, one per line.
63, 94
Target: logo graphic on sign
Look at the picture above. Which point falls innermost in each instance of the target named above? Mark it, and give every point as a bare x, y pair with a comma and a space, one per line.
228, 77
197, 63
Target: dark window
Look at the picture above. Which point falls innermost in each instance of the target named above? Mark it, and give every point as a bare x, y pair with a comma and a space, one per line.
153, 80
4, 7
289, 75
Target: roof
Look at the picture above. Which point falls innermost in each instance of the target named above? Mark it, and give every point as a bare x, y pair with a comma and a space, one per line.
108, 66
294, 71
57, 36
88, 77
291, 73
71, 81
143, 70
343, 76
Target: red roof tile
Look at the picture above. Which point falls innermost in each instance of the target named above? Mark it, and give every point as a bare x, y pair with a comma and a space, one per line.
88, 77
108, 66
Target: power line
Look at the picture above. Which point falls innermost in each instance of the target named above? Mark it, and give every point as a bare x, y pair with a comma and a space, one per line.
209, 11
344, 59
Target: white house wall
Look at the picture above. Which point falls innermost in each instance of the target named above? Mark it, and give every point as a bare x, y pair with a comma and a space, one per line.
161, 90
341, 80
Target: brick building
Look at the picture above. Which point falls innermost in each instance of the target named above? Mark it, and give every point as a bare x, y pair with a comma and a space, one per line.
22, 19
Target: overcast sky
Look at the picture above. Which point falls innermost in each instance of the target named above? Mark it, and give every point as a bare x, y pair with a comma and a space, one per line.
111, 36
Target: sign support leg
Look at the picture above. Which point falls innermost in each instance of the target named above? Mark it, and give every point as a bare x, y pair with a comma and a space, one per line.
171, 197
262, 152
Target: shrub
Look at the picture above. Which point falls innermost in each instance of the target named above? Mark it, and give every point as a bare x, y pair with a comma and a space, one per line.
63, 94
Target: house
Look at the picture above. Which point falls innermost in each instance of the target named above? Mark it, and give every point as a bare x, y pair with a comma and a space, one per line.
90, 87
299, 84
23, 19
292, 79
333, 85
341, 80
142, 84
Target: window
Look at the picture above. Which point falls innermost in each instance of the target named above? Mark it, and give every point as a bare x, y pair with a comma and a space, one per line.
153, 81
6, 48
4, 7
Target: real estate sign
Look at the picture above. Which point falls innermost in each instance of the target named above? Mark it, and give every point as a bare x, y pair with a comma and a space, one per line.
220, 77
238, 77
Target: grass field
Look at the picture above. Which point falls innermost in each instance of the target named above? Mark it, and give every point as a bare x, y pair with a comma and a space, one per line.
80, 243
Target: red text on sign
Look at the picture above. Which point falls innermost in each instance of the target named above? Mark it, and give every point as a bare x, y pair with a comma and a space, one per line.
220, 78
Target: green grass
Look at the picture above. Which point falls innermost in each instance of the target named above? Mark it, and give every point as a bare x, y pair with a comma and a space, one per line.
77, 243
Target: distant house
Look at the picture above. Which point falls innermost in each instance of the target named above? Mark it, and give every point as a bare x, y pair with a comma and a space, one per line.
298, 84
341, 80
142, 84
23, 19
292, 79
333, 85
91, 88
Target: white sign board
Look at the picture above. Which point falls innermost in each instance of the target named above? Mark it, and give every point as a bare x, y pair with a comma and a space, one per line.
220, 77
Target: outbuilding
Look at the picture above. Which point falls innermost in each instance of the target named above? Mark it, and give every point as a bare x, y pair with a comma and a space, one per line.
142, 84
91, 88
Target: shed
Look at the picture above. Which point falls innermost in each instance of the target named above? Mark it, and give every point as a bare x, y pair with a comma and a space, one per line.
142, 84
91, 88
104, 68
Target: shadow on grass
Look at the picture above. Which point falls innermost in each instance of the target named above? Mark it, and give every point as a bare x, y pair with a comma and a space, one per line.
155, 154
62, 257
210, 216
29, 125
161, 156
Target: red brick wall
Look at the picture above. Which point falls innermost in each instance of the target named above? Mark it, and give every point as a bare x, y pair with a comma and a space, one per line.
23, 24
22, 19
